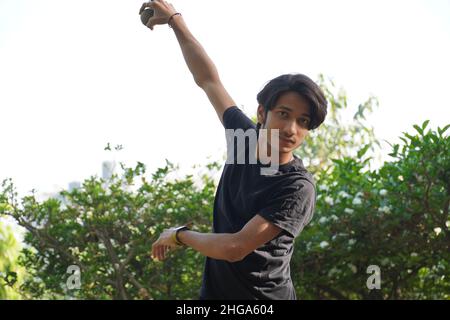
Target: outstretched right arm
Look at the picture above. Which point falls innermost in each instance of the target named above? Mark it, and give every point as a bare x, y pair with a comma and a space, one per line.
199, 63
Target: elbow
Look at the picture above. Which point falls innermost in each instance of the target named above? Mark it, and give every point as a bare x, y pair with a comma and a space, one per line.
235, 252
204, 81
200, 82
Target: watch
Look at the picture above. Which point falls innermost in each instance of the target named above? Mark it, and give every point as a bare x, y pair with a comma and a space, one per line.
175, 235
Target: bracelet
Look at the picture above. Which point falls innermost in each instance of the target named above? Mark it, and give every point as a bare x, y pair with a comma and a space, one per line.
175, 239
175, 235
171, 17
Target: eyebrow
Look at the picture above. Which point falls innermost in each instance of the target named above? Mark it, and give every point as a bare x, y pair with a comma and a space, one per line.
289, 109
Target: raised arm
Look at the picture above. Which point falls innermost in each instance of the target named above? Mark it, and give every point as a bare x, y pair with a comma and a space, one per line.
199, 63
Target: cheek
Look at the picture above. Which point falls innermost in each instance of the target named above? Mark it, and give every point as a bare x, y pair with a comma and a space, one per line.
302, 136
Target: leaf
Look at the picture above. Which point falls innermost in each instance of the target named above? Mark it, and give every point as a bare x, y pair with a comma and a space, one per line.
441, 131
418, 129
362, 151
424, 125
410, 137
395, 152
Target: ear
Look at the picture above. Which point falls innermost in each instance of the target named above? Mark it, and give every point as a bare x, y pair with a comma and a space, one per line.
260, 114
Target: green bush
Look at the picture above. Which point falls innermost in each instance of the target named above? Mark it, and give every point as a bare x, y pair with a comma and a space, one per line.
107, 230
396, 218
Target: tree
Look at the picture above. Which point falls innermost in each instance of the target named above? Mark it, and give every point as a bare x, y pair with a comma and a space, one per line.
396, 218
106, 230
11, 273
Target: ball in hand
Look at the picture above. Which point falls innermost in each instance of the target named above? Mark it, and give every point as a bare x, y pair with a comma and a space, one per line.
146, 14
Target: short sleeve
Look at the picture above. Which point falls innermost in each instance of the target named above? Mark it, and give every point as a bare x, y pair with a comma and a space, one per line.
234, 118
292, 208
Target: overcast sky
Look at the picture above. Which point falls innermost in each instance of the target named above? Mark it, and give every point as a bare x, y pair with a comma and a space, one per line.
75, 75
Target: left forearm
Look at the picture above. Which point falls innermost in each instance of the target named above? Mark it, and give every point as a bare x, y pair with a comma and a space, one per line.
221, 246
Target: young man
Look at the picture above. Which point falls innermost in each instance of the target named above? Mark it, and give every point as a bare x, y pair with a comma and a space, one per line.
256, 217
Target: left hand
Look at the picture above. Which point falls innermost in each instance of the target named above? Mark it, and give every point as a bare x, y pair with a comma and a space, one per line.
165, 242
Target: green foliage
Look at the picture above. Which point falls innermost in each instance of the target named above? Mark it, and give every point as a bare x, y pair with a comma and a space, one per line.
11, 273
396, 218
336, 138
107, 230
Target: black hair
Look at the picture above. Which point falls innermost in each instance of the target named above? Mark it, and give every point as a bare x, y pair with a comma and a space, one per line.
301, 84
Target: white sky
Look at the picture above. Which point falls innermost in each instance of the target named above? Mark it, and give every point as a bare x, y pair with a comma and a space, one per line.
76, 75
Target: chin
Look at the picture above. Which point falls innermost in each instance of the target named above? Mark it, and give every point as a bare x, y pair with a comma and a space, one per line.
286, 149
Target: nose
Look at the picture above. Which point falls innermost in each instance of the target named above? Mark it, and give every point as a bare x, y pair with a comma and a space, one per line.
290, 130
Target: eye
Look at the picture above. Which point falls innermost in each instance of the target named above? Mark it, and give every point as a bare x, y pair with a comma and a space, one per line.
305, 121
280, 113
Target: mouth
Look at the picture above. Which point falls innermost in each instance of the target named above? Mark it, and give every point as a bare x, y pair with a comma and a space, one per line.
287, 140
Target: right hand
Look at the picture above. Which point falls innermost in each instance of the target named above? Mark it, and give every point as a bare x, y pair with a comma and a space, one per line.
163, 11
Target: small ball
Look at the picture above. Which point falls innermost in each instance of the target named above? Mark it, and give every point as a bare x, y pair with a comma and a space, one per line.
146, 15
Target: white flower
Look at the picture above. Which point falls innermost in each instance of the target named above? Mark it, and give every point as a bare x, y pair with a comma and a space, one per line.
182, 209
334, 217
437, 230
101, 246
74, 250
413, 254
323, 188
351, 242
384, 209
383, 192
447, 224
333, 271
359, 194
343, 194
352, 267
135, 230
400, 178
89, 214
329, 200
79, 221
323, 220
357, 201
324, 244
170, 210
348, 210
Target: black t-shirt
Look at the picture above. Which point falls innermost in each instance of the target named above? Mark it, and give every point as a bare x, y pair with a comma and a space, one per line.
286, 198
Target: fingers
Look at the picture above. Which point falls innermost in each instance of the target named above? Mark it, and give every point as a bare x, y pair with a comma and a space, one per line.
149, 4
160, 251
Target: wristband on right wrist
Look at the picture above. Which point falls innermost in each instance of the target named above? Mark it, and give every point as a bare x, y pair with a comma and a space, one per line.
171, 17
